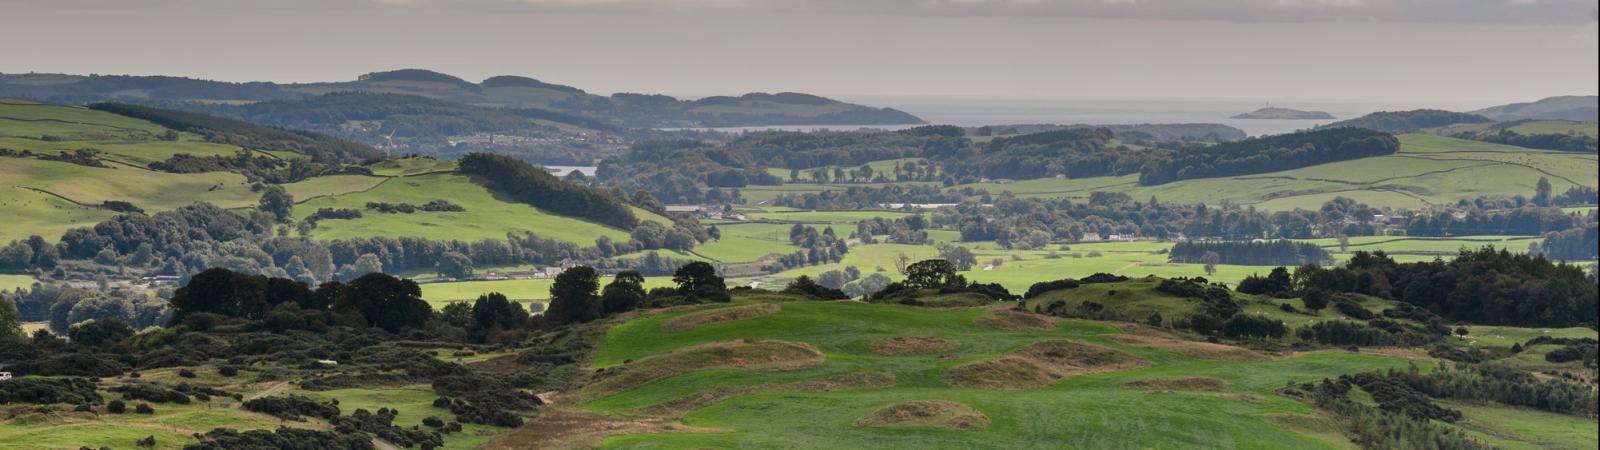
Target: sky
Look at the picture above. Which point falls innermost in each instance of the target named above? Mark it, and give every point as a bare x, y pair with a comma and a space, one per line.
1487, 51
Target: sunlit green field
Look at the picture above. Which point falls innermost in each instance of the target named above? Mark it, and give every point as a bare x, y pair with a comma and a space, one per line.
12, 282
486, 216
1428, 170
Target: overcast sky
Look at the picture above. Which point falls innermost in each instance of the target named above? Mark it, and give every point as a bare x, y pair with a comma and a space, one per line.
1408, 50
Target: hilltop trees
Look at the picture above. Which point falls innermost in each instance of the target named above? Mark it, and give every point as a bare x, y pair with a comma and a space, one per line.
1268, 154
385, 301
535, 186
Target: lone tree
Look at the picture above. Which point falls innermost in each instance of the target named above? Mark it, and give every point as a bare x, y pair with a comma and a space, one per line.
1541, 192
572, 297
699, 280
1315, 300
1211, 259
933, 273
493, 312
454, 265
625, 293
277, 202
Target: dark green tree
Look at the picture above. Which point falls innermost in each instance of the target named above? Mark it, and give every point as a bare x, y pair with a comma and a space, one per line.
492, 312
572, 297
455, 265
96, 333
699, 280
276, 201
933, 273
625, 293
385, 301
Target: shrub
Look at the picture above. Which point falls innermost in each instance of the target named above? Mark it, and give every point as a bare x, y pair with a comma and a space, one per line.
292, 407
116, 407
45, 391
143, 408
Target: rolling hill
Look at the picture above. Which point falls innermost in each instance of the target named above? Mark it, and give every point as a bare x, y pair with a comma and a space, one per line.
769, 371
513, 92
1567, 107
46, 197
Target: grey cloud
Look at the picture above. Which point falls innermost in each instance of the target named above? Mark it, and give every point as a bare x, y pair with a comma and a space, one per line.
1551, 12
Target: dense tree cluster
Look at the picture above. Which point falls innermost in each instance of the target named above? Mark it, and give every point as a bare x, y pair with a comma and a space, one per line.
280, 439
1486, 286
535, 186
1407, 121
1281, 252
1269, 154
322, 149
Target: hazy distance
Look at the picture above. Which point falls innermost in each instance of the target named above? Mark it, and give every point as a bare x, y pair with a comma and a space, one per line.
1415, 52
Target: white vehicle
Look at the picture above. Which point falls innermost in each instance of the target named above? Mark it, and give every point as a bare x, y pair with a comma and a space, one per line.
5, 376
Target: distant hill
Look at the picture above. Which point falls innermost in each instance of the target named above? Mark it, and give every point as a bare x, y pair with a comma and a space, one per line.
1567, 107
1404, 121
1283, 113
514, 92
1212, 132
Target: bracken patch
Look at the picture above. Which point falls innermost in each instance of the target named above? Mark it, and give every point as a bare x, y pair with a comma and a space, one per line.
1009, 319
720, 315
1195, 349
745, 354
677, 407
1041, 364
911, 345
927, 413
1179, 384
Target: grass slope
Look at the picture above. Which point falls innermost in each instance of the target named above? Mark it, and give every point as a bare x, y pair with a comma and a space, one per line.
1086, 411
486, 217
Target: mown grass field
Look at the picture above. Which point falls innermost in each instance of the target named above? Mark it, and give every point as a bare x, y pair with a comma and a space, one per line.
1085, 411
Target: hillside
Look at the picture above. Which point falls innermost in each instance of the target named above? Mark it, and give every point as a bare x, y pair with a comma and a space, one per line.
46, 197
1428, 170
1569, 107
908, 377
51, 194
629, 110
1409, 121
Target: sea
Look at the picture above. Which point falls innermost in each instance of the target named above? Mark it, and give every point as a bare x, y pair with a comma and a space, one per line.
979, 111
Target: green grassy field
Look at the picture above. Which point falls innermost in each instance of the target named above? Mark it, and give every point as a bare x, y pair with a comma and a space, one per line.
1085, 411
12, 282
486, 215
411, 166
440, 294
1428, 170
